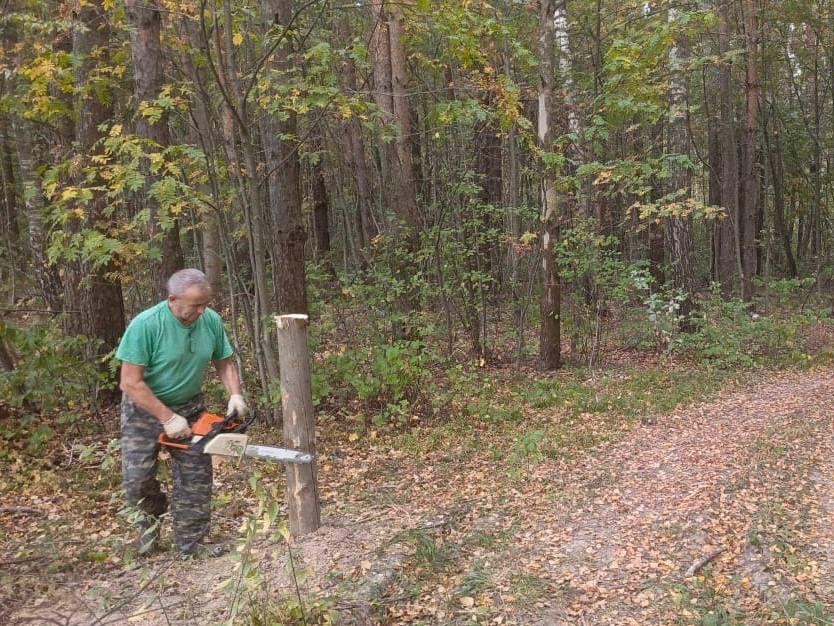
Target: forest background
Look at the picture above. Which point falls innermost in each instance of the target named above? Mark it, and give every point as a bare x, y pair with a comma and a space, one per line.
450, 189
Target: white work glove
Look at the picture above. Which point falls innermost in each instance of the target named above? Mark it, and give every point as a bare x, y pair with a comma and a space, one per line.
176, 427
238, 405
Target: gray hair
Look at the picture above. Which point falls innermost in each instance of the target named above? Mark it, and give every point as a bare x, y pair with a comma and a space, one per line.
183, 280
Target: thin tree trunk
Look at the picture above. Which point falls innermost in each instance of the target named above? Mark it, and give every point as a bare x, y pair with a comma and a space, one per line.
679, 227
777, 170
10, 218
399, 191
321, 217
46, 275
145, 17
726, 230
201, 134
549, 305
289, 283
241, 148
363, 224
390, 81
100, 290
749, 177
715, 165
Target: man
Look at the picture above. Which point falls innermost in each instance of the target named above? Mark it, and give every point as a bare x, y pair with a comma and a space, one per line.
165, 353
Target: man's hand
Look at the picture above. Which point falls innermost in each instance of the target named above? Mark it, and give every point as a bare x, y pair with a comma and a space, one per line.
176, 427
237, 405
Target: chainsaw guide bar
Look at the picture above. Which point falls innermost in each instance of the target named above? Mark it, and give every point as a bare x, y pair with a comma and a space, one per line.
225, 436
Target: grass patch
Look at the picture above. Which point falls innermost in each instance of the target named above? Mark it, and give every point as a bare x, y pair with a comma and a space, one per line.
529, 588
487, 539
806, 612
430, 554
632, 393
476, 580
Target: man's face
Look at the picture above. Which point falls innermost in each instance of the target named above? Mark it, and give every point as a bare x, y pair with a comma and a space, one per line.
190, 305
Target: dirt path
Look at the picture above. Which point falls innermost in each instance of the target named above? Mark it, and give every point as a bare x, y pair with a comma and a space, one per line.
745, 479
737, 490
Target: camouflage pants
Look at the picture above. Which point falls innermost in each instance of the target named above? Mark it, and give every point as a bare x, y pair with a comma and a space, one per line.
192, 475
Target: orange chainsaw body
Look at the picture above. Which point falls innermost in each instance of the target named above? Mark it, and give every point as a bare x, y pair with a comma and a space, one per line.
200, 428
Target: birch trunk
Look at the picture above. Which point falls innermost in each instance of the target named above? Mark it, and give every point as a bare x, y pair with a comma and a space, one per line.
549, 305
679, 226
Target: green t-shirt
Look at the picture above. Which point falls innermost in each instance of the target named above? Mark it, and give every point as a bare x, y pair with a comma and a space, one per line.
175, 356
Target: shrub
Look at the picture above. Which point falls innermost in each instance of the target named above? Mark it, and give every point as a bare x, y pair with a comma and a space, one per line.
51, 371
389, 377
595, 275
727, 335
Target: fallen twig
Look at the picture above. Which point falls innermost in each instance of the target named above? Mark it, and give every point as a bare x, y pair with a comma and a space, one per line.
701, 562
24, 560
22, 509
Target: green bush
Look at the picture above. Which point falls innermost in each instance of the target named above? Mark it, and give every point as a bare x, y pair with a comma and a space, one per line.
51, 374
787, 292
594, 276
51, 371
388, 377
728, 335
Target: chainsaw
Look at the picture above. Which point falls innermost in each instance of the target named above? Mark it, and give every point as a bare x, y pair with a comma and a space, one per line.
226, 436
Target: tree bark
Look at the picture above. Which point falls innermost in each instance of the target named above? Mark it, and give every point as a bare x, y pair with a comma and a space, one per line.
726, 230
749, 175
10, 215
201, 134
321, 217
777, 170
390, 82
46, 275
145, 17
98, 284
299, 423
714, 164
550, 303
355, 152
288, 272
679, 226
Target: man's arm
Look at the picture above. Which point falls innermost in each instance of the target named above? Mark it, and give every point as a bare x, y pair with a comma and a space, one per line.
132, 382
227, 371
231, 381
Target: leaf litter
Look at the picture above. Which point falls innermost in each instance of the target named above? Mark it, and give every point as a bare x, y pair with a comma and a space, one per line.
719, 512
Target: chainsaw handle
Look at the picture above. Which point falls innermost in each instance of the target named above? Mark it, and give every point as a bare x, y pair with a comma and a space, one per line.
224, 424
171, 443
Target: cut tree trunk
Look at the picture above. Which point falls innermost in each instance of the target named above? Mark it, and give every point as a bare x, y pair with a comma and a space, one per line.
303, 505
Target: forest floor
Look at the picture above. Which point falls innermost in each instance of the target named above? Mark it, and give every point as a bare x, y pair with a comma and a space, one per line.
717, 511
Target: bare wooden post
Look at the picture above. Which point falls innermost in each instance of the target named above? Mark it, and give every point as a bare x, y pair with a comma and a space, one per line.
299, 422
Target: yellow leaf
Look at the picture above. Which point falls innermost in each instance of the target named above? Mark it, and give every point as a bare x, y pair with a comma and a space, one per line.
237, 39
353, 437
115, 130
